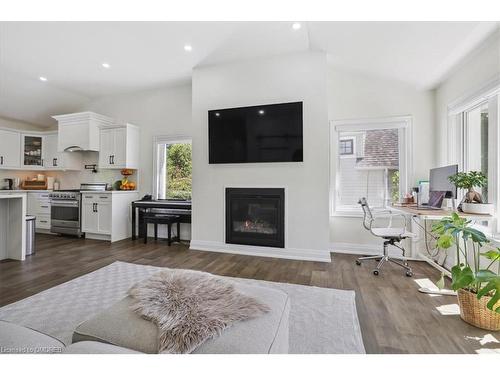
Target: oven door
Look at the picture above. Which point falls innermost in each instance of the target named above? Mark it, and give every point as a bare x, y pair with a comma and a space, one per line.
65, 213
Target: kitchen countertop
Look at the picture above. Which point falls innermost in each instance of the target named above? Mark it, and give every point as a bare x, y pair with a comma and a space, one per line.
109, 191
82, 191
25, 191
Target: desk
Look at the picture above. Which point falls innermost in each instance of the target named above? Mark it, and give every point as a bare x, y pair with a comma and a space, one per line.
417, 216
174, 207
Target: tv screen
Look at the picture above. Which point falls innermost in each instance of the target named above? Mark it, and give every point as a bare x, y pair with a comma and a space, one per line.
258, 134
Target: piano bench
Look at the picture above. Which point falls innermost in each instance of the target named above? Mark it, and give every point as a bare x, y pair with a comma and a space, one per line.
158, 218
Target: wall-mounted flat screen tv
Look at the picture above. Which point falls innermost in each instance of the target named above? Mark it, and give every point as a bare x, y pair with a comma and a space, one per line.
257, 134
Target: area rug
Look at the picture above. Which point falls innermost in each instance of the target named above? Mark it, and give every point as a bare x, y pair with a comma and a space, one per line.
322, 320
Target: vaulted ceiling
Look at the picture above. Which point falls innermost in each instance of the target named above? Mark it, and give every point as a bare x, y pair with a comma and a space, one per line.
145, 55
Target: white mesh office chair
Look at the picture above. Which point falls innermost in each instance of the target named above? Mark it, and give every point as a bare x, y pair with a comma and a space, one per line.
391, 235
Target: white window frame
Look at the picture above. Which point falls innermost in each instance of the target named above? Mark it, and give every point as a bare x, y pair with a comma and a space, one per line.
458, 149
403, 123
159, 172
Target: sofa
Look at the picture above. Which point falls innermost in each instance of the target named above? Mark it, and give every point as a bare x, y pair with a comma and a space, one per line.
118, 330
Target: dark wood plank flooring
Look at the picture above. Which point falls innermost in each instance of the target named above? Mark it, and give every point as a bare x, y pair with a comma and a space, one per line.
394, 316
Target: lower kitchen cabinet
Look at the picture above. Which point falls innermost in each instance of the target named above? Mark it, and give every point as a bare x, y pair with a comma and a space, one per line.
107, 215
38, 205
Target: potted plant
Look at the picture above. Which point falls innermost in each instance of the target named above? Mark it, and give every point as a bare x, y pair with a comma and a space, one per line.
472, 201
476, 274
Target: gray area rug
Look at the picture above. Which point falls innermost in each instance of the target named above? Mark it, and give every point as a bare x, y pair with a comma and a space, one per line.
321, 320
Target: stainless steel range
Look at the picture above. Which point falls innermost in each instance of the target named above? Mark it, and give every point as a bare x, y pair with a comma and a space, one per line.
66, 209
65, 212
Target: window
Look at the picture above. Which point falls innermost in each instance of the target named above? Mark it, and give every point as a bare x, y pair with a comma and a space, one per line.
475, 153
473, 139
346, 146
371, 160
173, 168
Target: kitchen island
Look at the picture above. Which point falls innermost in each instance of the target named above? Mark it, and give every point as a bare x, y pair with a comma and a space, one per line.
13, 226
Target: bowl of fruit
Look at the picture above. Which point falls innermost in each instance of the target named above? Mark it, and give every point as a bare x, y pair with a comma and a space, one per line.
125, 183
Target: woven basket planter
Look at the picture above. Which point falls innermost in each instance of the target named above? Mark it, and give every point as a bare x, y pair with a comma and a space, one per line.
475, 312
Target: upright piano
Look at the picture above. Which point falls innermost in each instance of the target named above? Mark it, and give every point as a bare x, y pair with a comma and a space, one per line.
181, 208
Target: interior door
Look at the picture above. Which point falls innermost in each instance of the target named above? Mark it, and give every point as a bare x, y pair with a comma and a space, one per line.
106, 147
10, 149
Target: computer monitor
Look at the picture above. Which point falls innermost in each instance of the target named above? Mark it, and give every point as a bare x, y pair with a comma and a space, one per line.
438, 180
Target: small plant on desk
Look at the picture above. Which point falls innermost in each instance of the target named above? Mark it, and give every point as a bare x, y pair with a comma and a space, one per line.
473, 201
478, 286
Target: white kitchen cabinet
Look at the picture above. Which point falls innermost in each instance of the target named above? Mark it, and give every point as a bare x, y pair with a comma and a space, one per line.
96, 214
38, 205
55, 160
119, 147
32, 146
10, 149
107, 215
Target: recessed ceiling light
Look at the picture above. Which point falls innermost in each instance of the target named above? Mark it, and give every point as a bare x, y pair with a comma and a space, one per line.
217, 114
106, 65
43, 79
261, 112
296, 26
188, 48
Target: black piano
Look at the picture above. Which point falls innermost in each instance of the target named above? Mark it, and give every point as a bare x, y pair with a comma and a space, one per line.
181, 208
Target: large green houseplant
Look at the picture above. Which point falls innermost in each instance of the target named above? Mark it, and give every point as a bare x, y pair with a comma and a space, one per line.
477, 283
473, 201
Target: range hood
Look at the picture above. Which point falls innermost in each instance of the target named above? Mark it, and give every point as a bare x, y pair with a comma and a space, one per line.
80, 131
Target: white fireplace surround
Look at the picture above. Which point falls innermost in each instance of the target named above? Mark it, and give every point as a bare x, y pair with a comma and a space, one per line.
264, 251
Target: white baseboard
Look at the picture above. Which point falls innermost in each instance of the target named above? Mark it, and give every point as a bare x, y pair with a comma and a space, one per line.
262, 251
364, 249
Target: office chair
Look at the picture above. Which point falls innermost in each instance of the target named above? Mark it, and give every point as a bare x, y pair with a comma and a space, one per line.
392, 236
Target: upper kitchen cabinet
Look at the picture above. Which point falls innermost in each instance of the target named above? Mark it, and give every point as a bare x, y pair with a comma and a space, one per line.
10, 149
32, 146
119, 147
55, 160
80, 131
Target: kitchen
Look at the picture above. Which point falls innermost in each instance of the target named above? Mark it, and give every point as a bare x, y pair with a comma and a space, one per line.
79, 180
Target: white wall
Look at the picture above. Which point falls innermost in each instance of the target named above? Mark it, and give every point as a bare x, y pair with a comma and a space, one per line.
296, 77
482, 66
353, 95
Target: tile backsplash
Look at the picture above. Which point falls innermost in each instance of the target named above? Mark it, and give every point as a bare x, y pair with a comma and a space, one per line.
72, 179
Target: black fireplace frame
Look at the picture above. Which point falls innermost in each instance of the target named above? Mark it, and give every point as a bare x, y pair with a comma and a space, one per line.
253, 239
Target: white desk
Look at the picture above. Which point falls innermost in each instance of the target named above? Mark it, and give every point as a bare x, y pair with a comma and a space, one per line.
13, 226
417, 219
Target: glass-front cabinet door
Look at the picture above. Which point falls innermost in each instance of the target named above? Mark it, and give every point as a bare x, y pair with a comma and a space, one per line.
32, 151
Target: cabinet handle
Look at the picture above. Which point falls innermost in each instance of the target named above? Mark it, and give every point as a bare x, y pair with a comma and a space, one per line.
110, 159
1, 160
104, 197
44, 206
95, 207
56, 161
42, 162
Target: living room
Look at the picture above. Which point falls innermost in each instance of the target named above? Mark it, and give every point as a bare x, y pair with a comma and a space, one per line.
249, 187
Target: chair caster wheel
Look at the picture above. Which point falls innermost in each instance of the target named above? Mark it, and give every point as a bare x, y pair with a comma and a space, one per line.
375, 272
358, 262
409, 273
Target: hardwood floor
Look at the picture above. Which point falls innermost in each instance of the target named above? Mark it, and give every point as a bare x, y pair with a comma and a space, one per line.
394, 316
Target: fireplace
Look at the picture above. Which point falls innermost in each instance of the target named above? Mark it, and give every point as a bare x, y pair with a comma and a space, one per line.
255, 216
